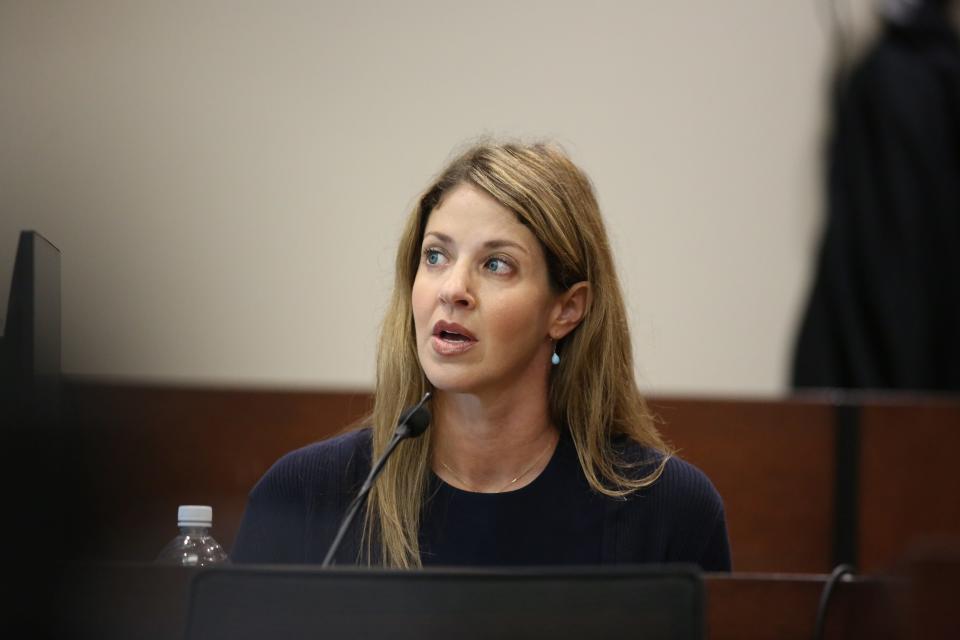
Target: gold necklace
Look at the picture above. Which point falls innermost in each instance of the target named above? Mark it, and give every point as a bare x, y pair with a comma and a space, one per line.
509, 484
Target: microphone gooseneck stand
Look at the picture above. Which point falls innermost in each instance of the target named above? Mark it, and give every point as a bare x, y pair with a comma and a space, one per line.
413, 422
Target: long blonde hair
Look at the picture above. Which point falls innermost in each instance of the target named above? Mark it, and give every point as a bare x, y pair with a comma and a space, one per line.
594, 393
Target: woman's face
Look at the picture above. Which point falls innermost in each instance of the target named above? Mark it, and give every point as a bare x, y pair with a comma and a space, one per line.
482, 303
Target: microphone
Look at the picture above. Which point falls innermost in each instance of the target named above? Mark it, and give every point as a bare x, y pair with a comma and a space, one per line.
413, 422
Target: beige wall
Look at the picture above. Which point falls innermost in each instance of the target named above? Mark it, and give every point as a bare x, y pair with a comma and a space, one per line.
226, 180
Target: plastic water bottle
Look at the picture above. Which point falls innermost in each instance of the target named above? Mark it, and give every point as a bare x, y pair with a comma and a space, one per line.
194, 547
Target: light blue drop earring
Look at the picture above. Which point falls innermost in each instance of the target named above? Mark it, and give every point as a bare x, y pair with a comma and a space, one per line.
555, 358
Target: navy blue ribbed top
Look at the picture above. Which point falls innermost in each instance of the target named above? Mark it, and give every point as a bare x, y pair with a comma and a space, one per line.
293, 513
556, 519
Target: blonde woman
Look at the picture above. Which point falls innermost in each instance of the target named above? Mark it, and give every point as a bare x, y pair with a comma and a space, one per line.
507, 307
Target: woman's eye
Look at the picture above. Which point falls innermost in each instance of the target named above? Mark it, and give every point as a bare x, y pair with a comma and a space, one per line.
432, 257
498, 265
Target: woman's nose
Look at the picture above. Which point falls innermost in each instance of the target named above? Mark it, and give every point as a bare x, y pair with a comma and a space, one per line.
456, 288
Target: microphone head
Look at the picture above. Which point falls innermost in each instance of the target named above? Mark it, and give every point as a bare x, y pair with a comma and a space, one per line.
417, 422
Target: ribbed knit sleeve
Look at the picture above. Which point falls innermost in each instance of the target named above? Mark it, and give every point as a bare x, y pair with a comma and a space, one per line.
295, 507
698, 531
680, 518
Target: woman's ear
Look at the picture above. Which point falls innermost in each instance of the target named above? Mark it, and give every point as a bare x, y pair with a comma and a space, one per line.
571, 306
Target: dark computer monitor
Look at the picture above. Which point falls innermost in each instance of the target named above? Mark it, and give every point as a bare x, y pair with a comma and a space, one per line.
35, 464
651, 602
30, 347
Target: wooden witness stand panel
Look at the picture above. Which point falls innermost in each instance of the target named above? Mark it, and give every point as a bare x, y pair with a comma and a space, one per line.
145, 450
908, 480
772, 463
138, 452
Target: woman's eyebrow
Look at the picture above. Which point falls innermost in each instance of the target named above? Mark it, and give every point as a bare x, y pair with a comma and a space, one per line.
499, 244
489, 244
442, 237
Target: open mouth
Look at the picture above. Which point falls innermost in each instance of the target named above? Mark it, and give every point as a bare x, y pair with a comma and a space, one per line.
450, 338
453, 337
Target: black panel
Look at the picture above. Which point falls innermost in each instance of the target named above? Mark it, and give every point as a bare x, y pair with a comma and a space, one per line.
657, 603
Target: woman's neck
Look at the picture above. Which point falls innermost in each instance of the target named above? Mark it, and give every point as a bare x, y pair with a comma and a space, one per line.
483, 445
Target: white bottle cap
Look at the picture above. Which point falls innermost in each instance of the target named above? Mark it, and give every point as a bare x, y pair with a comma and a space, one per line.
194, 515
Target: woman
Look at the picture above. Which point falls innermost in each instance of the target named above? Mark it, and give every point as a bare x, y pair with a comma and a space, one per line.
506, 306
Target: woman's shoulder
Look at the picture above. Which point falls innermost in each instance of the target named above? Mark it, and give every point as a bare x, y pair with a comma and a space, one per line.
332, 452
341, 446
685, 508
313, 465
679, 479
687, 480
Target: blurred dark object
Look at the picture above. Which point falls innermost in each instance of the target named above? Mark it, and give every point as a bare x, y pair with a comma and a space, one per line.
37, 468
30, 347
663, 602
114, 601
884, 311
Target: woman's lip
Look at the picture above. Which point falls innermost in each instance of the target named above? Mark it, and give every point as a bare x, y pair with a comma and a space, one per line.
452, 327
450, 347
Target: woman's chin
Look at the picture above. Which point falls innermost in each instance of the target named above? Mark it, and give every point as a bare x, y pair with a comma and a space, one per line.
447, 379
451, 384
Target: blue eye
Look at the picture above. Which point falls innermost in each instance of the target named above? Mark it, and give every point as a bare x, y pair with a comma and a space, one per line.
498, 265
432, 257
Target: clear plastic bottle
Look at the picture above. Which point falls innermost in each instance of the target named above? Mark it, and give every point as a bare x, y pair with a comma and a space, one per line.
194, 547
